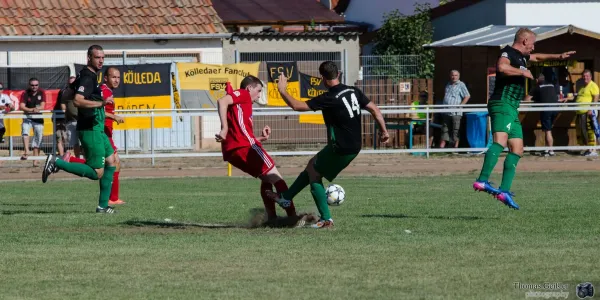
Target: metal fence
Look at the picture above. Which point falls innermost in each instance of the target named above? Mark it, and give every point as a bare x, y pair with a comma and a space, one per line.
388, 66
410, 133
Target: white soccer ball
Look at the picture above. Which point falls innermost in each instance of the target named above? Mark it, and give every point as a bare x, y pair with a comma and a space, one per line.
335, 194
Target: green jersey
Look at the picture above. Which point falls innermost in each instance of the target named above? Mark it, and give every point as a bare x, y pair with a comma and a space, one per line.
87, 85
511, 89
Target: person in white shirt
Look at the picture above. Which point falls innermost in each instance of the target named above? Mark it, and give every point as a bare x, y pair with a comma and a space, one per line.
6, 105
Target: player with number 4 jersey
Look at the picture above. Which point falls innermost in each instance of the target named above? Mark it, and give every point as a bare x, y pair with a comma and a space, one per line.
341, 106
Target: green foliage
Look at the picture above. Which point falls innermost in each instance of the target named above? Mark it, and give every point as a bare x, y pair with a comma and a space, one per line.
406, 35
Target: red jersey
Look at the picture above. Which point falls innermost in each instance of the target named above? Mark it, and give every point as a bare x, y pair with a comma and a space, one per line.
109, 108
239, 122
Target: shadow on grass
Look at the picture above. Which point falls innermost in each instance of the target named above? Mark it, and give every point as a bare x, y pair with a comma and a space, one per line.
38, 212
177, 225
39, 204
401, 216
257, 220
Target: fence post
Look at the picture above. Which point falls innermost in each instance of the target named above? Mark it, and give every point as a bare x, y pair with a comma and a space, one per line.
54, 133
427, 130
152, 136
125, 131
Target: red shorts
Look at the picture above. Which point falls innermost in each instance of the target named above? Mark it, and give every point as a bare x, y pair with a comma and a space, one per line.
253, 160
109, 132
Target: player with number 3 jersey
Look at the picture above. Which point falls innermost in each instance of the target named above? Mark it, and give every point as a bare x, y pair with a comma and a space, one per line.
341, 107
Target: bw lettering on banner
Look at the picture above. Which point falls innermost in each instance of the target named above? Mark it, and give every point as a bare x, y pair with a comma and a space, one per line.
290, 70
311, 87
143, 87
202, 84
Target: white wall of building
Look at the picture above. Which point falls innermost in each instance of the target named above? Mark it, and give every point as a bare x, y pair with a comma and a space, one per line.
472, 17
581, 13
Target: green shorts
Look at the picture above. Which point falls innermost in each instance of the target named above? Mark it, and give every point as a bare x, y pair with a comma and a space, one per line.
505, 118
329, 164
96, 147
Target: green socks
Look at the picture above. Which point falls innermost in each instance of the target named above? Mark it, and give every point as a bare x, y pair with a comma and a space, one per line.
510, 167
81, 170
299, 184
490, 161
319, 195
106, 185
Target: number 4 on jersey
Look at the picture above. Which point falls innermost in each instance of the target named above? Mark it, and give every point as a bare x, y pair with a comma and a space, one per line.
354, 107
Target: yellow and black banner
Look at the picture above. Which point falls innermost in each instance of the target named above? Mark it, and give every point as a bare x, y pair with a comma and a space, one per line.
290, 70
143, 87
202, 84
553, 63
311, 87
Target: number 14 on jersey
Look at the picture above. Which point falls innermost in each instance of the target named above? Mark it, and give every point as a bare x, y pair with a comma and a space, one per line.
352, 106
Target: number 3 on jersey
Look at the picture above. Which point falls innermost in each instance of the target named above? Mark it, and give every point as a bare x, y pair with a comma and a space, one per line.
353, 106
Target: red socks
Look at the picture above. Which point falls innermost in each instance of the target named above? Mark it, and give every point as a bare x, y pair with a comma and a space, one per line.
114, 192
281, 187
269, 204
78, 160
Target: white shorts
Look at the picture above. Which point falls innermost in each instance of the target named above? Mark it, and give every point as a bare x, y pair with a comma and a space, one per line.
72, 137
38, 132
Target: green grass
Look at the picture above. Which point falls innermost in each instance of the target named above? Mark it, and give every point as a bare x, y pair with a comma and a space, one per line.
461, 245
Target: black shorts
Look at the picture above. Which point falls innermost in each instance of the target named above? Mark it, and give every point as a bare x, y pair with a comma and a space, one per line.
547, 119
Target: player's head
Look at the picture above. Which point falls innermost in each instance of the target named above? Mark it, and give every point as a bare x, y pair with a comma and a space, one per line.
253, 85
95, 57
587, 76
525, 40
34, 84
112, 77
541, 78
330, 73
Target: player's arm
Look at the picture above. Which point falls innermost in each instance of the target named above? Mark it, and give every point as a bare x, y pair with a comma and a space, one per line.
295, 104
376, 113
266, 133
222, 105
42, 104
83, 91
505, 68
115, 118
542, 57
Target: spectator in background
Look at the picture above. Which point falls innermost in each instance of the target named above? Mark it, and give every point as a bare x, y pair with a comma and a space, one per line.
62, 134
588, 93
6, 105
456, 93
32, 102
545, 92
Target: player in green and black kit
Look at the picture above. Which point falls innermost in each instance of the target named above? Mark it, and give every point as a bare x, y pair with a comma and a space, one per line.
99, 154
341, 106
503, 105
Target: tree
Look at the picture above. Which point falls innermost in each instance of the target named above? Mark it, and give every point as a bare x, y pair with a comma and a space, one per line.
406, 35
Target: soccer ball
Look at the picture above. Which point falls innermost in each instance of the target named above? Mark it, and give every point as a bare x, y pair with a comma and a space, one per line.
335, 194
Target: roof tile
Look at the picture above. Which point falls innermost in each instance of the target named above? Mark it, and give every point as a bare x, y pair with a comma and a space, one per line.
85, 17
274, 12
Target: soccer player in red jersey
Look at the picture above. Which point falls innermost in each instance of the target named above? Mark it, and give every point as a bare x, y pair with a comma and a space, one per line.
112, 79
243, 150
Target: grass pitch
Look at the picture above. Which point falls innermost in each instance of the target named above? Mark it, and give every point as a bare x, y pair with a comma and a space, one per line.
395, 238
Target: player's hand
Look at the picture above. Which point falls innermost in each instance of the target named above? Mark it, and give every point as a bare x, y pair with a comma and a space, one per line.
590, 113
119, 119
385, 137
282, 84
266, 132
35, 110
527, 74
567, 54
219, 137
109, 100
